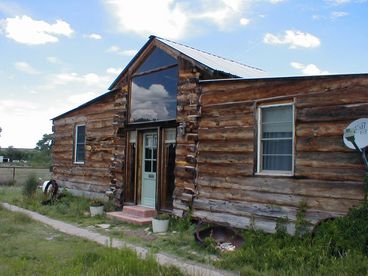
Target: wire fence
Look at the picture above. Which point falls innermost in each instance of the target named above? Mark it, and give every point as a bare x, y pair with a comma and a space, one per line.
18, 175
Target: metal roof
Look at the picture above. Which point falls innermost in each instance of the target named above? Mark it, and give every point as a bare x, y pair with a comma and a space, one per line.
215, 62
234, 69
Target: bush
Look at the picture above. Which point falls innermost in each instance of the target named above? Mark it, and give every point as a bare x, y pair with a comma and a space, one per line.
30, 186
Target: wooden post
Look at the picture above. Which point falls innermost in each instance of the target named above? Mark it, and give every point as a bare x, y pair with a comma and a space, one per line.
13, 174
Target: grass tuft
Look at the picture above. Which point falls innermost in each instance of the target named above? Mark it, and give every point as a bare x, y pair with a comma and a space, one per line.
30, 187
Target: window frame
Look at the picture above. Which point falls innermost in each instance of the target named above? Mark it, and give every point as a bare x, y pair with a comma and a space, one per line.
135, 74
75, 161
260, 171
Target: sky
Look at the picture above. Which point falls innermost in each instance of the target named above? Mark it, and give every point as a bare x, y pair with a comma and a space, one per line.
56, 55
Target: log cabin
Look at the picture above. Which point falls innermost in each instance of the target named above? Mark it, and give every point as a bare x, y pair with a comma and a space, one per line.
184, 131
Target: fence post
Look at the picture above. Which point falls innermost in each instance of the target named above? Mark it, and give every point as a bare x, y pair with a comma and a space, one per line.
13, 174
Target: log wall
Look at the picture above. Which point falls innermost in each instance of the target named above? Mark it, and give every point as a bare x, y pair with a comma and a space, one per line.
327, 175
94, 176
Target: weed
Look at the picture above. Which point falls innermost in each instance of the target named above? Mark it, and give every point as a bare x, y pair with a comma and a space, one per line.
365, 187
301, 225
30, 186
281, 225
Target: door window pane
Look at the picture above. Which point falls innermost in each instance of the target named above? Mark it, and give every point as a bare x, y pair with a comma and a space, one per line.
147, 166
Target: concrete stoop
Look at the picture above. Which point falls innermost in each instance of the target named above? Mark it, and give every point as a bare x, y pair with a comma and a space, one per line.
138, 215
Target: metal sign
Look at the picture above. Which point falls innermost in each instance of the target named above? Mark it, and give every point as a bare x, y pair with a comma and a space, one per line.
356, 133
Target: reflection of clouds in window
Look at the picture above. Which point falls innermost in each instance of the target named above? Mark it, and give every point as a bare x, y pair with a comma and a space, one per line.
150, 104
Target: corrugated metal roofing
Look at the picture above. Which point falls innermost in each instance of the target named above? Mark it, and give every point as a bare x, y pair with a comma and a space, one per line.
215, 62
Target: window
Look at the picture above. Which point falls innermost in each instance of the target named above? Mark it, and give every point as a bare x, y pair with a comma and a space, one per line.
276, 139
80, 142
153, 89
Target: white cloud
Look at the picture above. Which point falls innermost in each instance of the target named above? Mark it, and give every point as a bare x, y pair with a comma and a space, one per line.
113, 71
18, 117
294, 39
90, 79
119, 51
338, 2
337, 14
24, 29
17, 106
276, 1
308, 69
93, 36
54, 60
82, 98
173, 18
150, 103
26, 68
10, 8
244, 21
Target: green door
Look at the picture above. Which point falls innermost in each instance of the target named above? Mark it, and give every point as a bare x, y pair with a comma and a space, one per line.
149, 169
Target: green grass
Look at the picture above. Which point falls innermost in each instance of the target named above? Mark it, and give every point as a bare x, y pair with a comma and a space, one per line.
339, 247
178, 241
30, 248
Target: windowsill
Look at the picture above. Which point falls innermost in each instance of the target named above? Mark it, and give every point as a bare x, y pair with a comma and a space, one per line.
274, 173
78, 163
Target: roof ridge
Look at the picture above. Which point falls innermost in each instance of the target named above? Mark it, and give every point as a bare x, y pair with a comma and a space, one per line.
211, 54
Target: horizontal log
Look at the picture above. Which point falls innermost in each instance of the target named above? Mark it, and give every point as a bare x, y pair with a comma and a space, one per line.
245, 146
83, 186
344, 160
321, 128
262, 89
238, 221
318, 203
321, 144
226, 134
225, 169
287, 186
226, 109
226, 121
340, 96
339, 174
332, 113
224, 158
267, 211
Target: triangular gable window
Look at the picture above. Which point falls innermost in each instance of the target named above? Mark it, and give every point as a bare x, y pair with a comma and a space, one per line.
157, 58
154, 88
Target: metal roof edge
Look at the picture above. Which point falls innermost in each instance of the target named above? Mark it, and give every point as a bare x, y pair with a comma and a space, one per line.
287, 77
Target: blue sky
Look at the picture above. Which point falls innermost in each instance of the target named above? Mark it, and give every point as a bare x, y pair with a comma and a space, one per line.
56, 55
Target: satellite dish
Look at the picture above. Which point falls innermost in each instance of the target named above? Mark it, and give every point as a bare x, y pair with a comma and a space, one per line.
356, 133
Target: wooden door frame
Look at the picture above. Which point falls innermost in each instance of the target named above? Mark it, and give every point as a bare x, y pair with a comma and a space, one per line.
140, 129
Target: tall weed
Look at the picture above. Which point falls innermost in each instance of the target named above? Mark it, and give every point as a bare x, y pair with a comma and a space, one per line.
30, 187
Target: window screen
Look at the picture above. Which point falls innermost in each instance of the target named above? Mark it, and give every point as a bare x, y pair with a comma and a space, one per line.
276, 138
80, 141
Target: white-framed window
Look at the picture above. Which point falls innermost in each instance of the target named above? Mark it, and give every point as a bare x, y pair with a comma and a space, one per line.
276, 139
79, 144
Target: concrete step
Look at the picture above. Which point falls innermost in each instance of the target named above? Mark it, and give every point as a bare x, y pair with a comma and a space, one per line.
129, 218
139, 211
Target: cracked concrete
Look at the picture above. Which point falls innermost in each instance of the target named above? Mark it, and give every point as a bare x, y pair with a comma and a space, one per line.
190, 268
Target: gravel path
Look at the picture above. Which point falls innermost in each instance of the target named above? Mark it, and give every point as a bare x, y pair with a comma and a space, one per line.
190, 268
